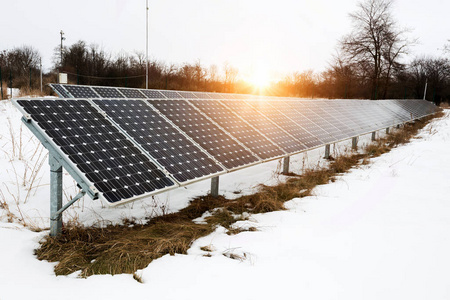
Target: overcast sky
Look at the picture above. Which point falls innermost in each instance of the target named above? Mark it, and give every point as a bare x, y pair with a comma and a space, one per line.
280, 36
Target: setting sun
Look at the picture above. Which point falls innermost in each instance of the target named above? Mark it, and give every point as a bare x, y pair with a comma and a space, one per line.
259, 78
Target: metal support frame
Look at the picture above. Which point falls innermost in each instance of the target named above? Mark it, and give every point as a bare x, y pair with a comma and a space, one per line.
57, 163
215, 186
56, 208
286, 161
374, 137
56, 180
355, 143
327, 151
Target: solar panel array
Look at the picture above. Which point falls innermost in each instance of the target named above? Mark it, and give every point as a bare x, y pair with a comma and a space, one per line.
131, 143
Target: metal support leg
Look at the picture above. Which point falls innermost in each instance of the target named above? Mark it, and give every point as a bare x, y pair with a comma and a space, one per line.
327, 151
355, 143
387, 130
215, 186
286, 161
55, 196
374, 136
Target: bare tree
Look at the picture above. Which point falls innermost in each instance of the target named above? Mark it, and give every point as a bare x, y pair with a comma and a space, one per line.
436, 71
230, 73
375, 44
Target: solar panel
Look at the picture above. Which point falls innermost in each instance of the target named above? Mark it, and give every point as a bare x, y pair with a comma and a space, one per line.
232, 123
326, 121
201, 95
113, 164
108, 92
131, 93
415, 108
215, 96
374, 116
187, 95
304, 120
80, 91
203, 131
261, 123
270, 109
153, 94
349, 114
400, 114
136, 147
383, 116
165, 143
59, 89
171, 94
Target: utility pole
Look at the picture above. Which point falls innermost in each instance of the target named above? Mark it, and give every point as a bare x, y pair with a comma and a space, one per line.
40, 70
425, 91
146, 45
1, 83
61, 49
10, 82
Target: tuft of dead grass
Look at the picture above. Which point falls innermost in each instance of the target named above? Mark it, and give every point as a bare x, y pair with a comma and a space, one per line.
127, 248
118, 249
27, 92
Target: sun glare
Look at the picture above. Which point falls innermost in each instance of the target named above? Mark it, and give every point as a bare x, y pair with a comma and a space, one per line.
259, 79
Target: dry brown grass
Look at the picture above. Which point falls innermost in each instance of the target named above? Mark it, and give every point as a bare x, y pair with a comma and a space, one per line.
4, 96
118, 249
127, 248
31, 92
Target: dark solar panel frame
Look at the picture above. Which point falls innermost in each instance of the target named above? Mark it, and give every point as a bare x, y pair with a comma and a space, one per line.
107, 190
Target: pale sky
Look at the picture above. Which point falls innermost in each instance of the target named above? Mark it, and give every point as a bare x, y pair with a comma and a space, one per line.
279, 37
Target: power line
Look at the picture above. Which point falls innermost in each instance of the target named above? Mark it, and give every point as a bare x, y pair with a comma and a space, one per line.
101, 77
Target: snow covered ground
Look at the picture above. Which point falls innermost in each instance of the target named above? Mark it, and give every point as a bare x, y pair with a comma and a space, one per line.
381, 231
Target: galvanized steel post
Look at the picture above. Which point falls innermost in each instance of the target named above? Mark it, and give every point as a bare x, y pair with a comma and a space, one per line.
286, 161
215, 186
327, 151
373, 136
55, 195
355, 143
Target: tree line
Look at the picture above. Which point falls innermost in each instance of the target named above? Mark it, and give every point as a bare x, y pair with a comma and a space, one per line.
369, 64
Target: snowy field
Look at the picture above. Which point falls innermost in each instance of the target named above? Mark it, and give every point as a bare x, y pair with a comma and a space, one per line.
381, 231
